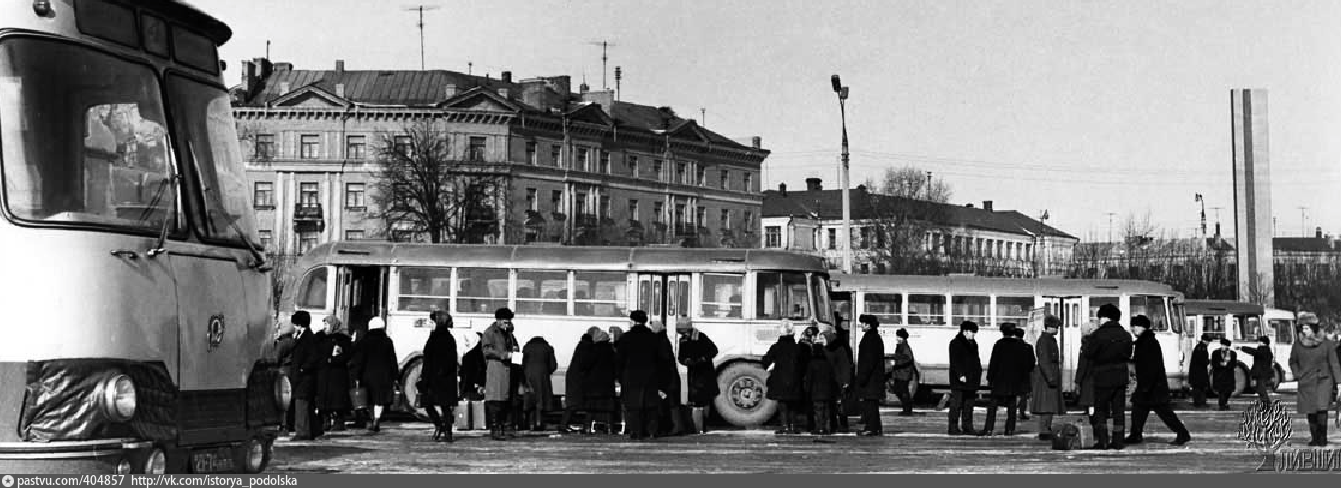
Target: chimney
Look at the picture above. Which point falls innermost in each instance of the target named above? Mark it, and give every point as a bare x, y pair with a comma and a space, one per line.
284, 88
340, 66
449, 90
814, 184
1319, 233
340, 90
583, 88
782, 188
248, 76
507, 77
987, 205
757, 142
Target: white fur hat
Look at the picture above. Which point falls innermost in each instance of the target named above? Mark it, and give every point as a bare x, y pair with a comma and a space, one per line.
786, 328
376, 323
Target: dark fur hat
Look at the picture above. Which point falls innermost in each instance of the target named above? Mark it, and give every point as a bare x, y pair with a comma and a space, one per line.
638, 316
503, 314
1140, 321
301, 318
1108, 310
902, 333
968, 326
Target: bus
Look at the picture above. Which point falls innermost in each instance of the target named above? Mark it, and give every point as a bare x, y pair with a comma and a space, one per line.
1242, 323
739, 298
932, 307
136, 293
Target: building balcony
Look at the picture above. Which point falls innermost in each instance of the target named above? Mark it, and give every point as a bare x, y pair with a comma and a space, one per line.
308, 217
588, 220
683, 229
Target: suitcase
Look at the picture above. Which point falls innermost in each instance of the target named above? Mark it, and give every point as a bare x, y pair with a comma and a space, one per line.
461, 416
1073, 436
478, 418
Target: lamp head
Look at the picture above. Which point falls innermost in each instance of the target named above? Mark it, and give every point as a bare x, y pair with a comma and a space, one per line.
837, 83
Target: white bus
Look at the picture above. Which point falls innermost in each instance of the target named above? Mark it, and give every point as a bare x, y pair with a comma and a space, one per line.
136, 300
1242, 323
932, 307
738, 297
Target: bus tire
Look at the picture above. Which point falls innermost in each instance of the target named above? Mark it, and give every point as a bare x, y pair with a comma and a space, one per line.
742, 399
1241, 383
408, 378
1276, 380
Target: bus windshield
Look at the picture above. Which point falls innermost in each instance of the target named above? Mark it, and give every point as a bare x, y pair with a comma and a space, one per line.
819, 287
118, 172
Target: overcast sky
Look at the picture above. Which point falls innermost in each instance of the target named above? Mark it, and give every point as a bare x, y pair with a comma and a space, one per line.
1079, 107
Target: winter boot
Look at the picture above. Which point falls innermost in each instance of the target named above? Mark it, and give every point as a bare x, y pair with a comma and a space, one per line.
446, 432
1116, 443
1134, 438
1100, 437
1183, 438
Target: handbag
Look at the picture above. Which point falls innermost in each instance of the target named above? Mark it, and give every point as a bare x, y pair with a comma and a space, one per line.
358, 396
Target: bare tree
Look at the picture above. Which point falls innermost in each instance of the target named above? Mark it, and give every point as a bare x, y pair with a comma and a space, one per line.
424, 183
905, 209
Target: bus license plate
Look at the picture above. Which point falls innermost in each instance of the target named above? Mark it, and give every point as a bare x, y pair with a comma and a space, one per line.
212, 461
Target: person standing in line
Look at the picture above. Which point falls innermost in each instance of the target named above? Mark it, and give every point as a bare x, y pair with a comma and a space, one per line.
597, 369
669, 415
696, 353
498, 344
620, 414
1109, 353
538, 366
1152, 388
572, 382
904, 367
1047, 399
641, 364
1313, 359
303, 375
1263, 371
965, 378
1011, 363
1026, 386
333, 376
1084, 378
820, 383
870, 381
1224, 362
1199, 371
437, 383
784, 381
373, 366
284, 343
840, 356
473, 370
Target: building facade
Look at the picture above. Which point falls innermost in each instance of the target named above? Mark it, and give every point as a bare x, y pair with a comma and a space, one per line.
905, 236
579, 168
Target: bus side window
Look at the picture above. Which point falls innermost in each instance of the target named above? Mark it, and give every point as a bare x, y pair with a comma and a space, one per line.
312, 293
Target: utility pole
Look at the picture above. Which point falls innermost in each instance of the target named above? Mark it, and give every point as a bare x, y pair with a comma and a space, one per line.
605, 58
1110, 227
1303, 222
421, 9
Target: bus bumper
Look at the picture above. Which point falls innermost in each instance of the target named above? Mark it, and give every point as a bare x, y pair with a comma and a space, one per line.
105, 456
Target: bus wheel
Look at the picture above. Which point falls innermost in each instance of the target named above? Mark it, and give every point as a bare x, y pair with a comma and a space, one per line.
1241, 379
1275, 380
741, 401
411, 392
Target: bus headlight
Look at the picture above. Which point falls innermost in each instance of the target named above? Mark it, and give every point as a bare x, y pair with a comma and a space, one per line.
118, 397
283, 390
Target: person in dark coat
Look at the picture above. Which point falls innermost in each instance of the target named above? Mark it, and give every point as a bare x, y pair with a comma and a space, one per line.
1084, 378
1314, 362
498, 345
1027, 387
597, 369
784, 381
1224, 362
644, 367
840, 356
870, 381
284, 343
437, 383
696, 354
965, 378
1047, 399
306, 360
373, 367
905, 365
473, 370
1263, 371
333, 400
1008, 369
1199, 371
670, 415
1152, 388
1109, 353
538, 366
572, 382
819, 379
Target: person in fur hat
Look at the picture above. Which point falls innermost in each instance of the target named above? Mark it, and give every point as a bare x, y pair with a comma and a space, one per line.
1313, 359
870, 381
498, 344
643, 367
965, 378
1109, 352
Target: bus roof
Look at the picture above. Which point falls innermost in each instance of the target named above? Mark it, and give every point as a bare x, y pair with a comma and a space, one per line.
206, 24
1221, 307
969, 284
540, 256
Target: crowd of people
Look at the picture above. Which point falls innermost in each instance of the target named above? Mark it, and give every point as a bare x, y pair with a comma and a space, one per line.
628, 382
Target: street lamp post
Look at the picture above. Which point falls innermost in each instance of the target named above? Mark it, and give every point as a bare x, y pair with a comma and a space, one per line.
841, 90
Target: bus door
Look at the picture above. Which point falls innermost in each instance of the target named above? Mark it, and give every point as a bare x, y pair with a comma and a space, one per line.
315, 294
1066, 308
360, 295
665, 298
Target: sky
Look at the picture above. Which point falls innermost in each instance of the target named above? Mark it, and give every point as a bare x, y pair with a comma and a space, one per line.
1095, 111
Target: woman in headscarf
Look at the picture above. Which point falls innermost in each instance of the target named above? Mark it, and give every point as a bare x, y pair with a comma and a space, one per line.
438, 377
597, 369
333, 374
696, 353
572, 381
819, 379
373, 367
784, 380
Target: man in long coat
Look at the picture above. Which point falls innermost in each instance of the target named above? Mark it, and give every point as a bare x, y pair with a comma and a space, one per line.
572, 381
1224, 362
1313, 359
1152, 388
303, 374
965, 378
538, 364
1008, 369
1199, 371
284, 342
643, 366
904, 367
1047, 399
870, 381
1109, 352
838, 352
498, 344
438, 388
784, 381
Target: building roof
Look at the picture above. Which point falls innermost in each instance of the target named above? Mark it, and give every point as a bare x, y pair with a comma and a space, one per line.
1303, 244
828, 205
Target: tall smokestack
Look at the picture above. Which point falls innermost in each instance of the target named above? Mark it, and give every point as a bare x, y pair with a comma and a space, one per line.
1252, 197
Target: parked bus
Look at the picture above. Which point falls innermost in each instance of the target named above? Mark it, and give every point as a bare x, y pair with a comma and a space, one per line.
739, 298
1242, 323
137, 298
932, 307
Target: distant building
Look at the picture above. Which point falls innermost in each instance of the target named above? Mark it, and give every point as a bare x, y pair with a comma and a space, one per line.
901, 235
582, 168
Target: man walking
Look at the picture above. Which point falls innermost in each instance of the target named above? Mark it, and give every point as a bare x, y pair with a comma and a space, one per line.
1152, 389
904, 367
1109, 351
1263, 370
643, 368
965, 377
1199, 372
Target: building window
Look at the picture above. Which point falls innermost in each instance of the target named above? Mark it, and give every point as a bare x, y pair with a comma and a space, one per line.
773, 237
682, 173
582, 164
265, 147
633, 210
264, 195
310, 147
307, 241
475, 150
356, 147
633, 166
309, 193
605, 207
581, 204
530, 153
833, 238
658, 212
748, 185
531, 203
354, 196
556, 198
701, 177
748, 222
605, 162
403, 145
353, 235
726, 180
656, 169
726, 218
701, 216
267, 239
556, 154
680, 217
